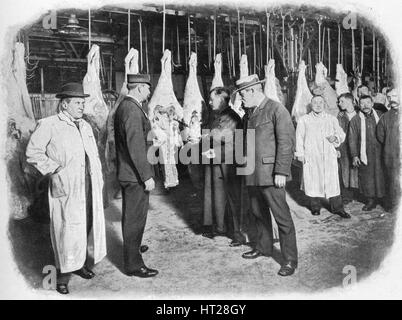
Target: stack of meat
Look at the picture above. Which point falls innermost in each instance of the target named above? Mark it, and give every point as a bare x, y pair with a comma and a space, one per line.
165, 113
131, 67
303, 97
193, 103
21, 123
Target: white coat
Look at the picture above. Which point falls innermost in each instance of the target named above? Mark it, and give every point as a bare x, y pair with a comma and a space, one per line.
320, 168
57, 142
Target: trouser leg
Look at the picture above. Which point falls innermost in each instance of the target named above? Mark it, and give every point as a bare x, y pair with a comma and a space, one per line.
315, 204
276, 199
260, 210
207, 208
135, 209
219, 198
336, 204
63, 278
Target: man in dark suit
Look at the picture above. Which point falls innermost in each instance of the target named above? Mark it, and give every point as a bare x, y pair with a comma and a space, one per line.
272, 152
134, 172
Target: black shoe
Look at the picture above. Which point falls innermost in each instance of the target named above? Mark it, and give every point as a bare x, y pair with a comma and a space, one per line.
253, 254
85, 273
144, 248
235, 243
143, 272
347, 201
343, 214
370, 205
208, 234
62, 288
218, 233
287, 269
315, 212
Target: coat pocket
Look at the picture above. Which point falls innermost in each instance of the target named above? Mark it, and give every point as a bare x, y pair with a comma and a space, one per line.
268, 160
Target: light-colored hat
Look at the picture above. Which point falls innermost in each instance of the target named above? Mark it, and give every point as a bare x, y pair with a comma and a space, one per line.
247, 82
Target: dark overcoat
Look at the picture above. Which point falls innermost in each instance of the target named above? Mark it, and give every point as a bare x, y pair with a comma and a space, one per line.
371, 176
348, 172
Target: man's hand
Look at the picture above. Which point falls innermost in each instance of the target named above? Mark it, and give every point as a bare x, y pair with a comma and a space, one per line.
280, 181
332, 139
149, 184
356, 162
301, 159
338, 154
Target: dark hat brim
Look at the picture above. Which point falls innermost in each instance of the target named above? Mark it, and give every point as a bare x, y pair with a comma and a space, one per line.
70, 94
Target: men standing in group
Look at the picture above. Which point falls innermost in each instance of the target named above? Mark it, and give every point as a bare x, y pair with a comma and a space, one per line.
272, 152
221, 185
365, 151
63, 146
134, 171
389, 136
318, 134
349, 180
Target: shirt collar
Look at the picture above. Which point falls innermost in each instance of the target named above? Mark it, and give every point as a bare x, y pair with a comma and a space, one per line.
135, 99
262, 103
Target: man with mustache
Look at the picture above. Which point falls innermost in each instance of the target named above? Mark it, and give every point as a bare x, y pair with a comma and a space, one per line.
388, 135
365, 151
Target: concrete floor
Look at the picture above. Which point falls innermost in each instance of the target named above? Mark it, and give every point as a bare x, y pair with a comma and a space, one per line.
193, 266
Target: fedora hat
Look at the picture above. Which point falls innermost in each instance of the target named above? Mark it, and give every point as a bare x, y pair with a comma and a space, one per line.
72, 90
139, 78
246, 82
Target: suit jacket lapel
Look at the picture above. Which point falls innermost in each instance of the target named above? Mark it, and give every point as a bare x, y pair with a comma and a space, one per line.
138, 105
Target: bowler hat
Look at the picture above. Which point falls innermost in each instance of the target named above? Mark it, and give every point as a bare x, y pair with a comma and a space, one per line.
72, 90
139, 78
247, 82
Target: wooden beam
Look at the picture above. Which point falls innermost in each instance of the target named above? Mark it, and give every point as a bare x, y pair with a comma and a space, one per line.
58, 59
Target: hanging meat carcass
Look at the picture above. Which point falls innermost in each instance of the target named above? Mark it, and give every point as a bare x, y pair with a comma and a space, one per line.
96, 109
164, 112
21, 123
272, 87
193, 103
357, 80
303, 97
130, 67
217, 80
341, 83
236, 105
324, 89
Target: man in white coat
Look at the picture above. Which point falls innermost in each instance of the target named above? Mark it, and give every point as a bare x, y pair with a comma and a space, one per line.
63, 146
318, 134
